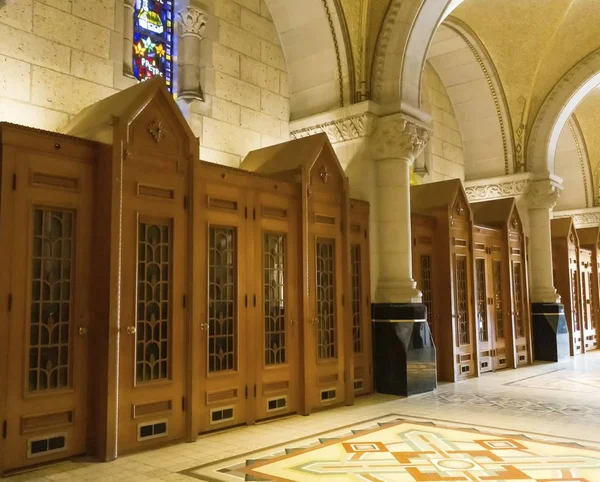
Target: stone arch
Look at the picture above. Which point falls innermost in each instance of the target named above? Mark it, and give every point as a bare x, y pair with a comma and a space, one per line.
314, 40
572, 164
401, 52
556, 110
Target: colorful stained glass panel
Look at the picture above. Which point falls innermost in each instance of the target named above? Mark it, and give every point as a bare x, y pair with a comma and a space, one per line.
153, 40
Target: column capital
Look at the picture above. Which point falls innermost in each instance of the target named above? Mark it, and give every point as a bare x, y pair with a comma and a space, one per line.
398, 136
192, 21
544, 194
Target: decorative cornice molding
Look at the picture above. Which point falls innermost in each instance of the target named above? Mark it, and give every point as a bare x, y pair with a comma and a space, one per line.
398, 137
340, 130
498, 190
192, 21
583, 218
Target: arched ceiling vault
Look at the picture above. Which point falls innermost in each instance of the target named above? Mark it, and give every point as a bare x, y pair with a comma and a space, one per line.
478, 100
313, 37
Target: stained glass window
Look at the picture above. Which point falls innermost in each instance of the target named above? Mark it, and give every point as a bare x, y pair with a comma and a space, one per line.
153, 40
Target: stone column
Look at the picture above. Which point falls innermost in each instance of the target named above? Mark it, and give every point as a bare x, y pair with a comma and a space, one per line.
191, 23
397, 142
404, 354
549, 326
128, 38
543, 196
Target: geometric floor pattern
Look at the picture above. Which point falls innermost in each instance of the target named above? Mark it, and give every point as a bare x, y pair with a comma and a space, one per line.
399, 449
494, 401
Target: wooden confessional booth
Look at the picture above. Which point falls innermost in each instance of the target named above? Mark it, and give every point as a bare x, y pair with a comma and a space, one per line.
589, 240
565, 260
442, 230
152, 296
501, 301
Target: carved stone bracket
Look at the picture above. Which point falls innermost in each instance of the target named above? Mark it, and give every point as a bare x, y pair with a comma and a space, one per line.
399, 137
544, 194
340, 130
192, 21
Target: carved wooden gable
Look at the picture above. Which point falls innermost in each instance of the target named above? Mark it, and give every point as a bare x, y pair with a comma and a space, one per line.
460, 212
326, 174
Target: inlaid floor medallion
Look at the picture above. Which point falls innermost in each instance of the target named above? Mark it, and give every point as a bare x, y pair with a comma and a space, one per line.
403, 449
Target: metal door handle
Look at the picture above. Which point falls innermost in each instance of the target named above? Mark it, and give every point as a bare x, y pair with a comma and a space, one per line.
131, 330
204, 326
292, 322
82, 330
315, 321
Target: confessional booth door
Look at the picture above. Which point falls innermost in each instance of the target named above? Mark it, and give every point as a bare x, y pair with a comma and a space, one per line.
423, 266
575, 294
361, 309
465, 342
276, 306
489, 303
225, 249
153, 314
324, 335
519, 310
50, 262
586, 279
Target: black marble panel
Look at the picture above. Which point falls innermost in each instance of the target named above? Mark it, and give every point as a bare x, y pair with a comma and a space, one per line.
550, 332
403, 350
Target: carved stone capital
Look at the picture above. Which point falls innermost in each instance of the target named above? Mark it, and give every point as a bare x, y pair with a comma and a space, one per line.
192, 21
398, 137
544, 194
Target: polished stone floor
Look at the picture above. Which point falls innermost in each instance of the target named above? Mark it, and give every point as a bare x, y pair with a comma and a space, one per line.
557, 405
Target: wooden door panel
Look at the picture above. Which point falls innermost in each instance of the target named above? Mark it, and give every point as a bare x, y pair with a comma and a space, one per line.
587, 303
465, 359
225, 251
575, 294
275, 320
153, 316
324, 349
482, 315
359, 299
46, 405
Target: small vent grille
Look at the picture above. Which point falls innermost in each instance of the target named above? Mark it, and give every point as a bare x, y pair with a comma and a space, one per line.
522, 357
221, 415
465, 369
502, 361
276, 404
328, 395
358, 385
152, 430
45, 446
485, 364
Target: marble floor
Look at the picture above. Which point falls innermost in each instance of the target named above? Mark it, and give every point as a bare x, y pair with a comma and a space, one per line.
556, 406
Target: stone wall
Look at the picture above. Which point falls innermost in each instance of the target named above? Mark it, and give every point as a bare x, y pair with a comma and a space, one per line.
60, 56
247, 99
443, 155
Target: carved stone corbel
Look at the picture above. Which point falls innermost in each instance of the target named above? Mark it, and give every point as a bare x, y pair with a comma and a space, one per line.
191, 23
